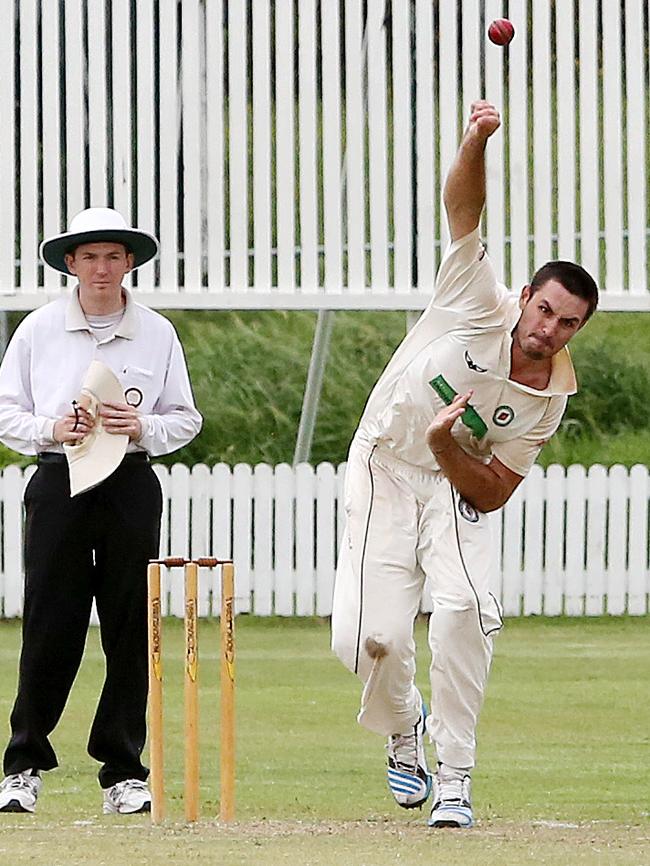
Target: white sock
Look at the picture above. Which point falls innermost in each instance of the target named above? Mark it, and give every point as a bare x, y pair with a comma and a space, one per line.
448, 772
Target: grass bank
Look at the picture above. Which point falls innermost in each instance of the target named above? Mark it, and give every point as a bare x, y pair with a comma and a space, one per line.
249, 371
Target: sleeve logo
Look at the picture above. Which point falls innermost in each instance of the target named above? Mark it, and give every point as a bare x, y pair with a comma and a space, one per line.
467, 511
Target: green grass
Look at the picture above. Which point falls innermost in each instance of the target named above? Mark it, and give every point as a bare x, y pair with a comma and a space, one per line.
561, 776
249, 372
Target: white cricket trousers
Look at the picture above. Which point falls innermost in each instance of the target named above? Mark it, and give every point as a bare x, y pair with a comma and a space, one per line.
403, 525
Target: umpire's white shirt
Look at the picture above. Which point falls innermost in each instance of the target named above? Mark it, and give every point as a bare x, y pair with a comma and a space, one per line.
463, 341
46, 361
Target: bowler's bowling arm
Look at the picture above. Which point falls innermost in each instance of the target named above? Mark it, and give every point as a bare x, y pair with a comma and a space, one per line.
464, 192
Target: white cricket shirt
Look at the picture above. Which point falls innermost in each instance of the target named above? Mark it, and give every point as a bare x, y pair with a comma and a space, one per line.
463, 341
46, 361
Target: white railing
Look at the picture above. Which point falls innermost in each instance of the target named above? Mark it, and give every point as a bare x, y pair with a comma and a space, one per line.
572, 542
290, 154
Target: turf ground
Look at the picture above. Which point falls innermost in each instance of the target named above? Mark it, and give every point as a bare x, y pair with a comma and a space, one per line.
562, 776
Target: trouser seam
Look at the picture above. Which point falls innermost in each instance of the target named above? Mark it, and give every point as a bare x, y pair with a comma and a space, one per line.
363, 558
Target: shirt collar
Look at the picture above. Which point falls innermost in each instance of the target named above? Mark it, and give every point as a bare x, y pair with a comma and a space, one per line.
563, 377
75, 319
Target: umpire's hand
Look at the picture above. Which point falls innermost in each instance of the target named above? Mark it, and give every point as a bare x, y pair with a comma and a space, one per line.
121, 418
73, 426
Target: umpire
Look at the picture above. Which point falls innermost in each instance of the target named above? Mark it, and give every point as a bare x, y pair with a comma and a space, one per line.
94, 544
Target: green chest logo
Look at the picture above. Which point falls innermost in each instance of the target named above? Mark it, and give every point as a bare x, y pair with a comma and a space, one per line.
470, 417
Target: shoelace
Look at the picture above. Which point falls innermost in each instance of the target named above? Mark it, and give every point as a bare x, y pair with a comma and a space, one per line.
16, 781
404, 751
130, 785
453, 790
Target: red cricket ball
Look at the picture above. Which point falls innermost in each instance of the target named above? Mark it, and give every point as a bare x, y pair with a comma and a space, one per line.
501, 31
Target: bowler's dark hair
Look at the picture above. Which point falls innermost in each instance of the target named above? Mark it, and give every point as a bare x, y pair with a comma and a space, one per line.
572, 277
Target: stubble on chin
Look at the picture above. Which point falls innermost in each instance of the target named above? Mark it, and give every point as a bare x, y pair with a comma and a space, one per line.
530, 350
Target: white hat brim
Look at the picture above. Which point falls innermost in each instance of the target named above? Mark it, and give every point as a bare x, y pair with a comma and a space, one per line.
53, 250
97, 457
99, 453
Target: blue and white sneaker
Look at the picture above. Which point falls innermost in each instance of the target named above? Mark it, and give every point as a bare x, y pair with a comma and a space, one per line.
452, 801
409, 779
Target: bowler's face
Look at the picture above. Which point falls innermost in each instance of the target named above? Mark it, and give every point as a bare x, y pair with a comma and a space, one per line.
100, 267
549, 318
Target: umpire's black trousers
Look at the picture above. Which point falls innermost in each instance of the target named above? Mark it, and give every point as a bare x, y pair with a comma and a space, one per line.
95, 545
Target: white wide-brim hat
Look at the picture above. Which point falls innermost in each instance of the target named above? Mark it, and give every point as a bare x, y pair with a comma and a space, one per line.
97, 225
99, 453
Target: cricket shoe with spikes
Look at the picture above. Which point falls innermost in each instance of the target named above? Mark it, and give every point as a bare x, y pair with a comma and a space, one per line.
409, 779
452, 800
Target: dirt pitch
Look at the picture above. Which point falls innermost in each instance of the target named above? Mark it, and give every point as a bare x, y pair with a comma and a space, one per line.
378, 842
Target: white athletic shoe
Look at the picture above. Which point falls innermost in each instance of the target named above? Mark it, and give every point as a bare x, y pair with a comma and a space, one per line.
409, 779
452, 801
127, 798
19, 791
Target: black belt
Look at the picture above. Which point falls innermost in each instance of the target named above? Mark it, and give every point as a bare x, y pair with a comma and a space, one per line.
55, 457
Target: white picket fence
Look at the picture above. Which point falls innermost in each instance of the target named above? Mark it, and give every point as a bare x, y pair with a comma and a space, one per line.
291, 154
571, 542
